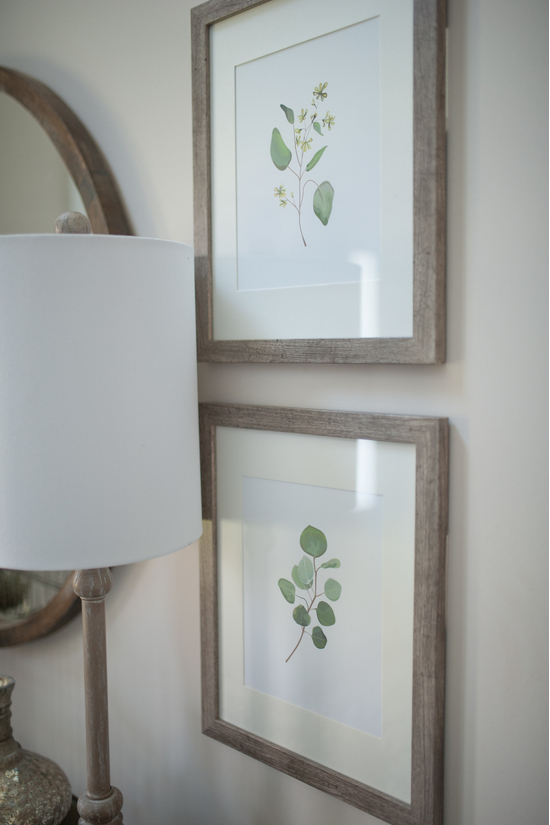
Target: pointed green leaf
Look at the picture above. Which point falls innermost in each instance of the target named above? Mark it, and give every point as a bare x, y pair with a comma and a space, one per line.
297, 580
313, 542
288, 590
319, 638
301, 616
325, 614
288, 112
317, 128
316, 157
331, 563
322, 201
333, 590
305, 571
280, 153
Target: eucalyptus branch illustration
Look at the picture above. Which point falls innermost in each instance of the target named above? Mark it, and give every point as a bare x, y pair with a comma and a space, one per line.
305, 577
302, 139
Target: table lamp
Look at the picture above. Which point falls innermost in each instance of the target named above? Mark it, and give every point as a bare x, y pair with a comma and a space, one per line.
99, 445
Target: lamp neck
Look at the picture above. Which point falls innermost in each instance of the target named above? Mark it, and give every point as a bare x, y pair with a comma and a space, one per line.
92, 585
101, 803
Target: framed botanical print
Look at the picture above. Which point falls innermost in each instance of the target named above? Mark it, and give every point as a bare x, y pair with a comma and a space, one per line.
323, 599
319, 157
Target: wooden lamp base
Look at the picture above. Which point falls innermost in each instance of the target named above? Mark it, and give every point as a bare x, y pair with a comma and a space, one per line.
101, 804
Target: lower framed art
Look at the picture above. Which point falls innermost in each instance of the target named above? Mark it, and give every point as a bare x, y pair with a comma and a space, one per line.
323, 599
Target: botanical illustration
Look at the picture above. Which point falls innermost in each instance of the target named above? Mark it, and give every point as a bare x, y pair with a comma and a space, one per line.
305, 577
302, 140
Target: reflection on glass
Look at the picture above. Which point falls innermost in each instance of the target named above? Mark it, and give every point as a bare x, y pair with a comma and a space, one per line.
35, 184
23, 593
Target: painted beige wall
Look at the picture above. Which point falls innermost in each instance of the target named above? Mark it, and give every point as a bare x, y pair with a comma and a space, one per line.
125, 69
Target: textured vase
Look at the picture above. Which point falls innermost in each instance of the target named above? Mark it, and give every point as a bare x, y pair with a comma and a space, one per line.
33, 789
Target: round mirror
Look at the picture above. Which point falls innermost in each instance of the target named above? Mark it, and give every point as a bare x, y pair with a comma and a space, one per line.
34, 181
49, 164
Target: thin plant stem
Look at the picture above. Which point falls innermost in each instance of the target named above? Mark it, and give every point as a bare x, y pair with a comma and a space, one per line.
296, 648
305, 184
300, 145
313, 600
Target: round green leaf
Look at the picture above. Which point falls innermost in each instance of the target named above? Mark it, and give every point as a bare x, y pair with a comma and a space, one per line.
305, 571
322, 201
331, 563
319, 638
288, 590
288, 112
297, 580
313, 542
317, 128
333, 590
301, 616
316, 157
280, 153
325, 614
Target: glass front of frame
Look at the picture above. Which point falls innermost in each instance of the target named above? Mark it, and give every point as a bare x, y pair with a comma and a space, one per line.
312, 171
316, 589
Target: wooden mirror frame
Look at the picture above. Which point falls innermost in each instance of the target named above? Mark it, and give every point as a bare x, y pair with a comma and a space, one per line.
93, 179
79, 151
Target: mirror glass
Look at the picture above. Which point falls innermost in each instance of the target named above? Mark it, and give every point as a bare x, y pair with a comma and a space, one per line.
35, 188
25, 592
35, 185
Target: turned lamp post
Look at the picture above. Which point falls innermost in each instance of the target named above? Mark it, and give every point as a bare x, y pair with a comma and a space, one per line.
99, 447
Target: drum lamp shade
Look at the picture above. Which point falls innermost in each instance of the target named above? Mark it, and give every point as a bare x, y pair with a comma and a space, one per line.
99, 446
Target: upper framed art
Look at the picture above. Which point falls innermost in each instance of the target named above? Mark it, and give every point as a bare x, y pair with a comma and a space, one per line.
323, 599
319, 176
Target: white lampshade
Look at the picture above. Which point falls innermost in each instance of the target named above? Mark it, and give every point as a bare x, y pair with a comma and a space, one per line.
99, 447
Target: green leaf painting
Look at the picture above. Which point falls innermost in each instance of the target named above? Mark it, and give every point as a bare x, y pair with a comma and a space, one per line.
322, 201
319, 638
302, 139
280, 153
313, 541
301, 616
288, 112
305, 576
301, 585
325, 614
315, 159
305, 571
288, 590
333, 590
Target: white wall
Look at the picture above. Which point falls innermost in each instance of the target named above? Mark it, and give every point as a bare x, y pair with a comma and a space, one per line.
125, 69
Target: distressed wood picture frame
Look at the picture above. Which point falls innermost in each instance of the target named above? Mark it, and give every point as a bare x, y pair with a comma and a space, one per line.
423, 246
257, 461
